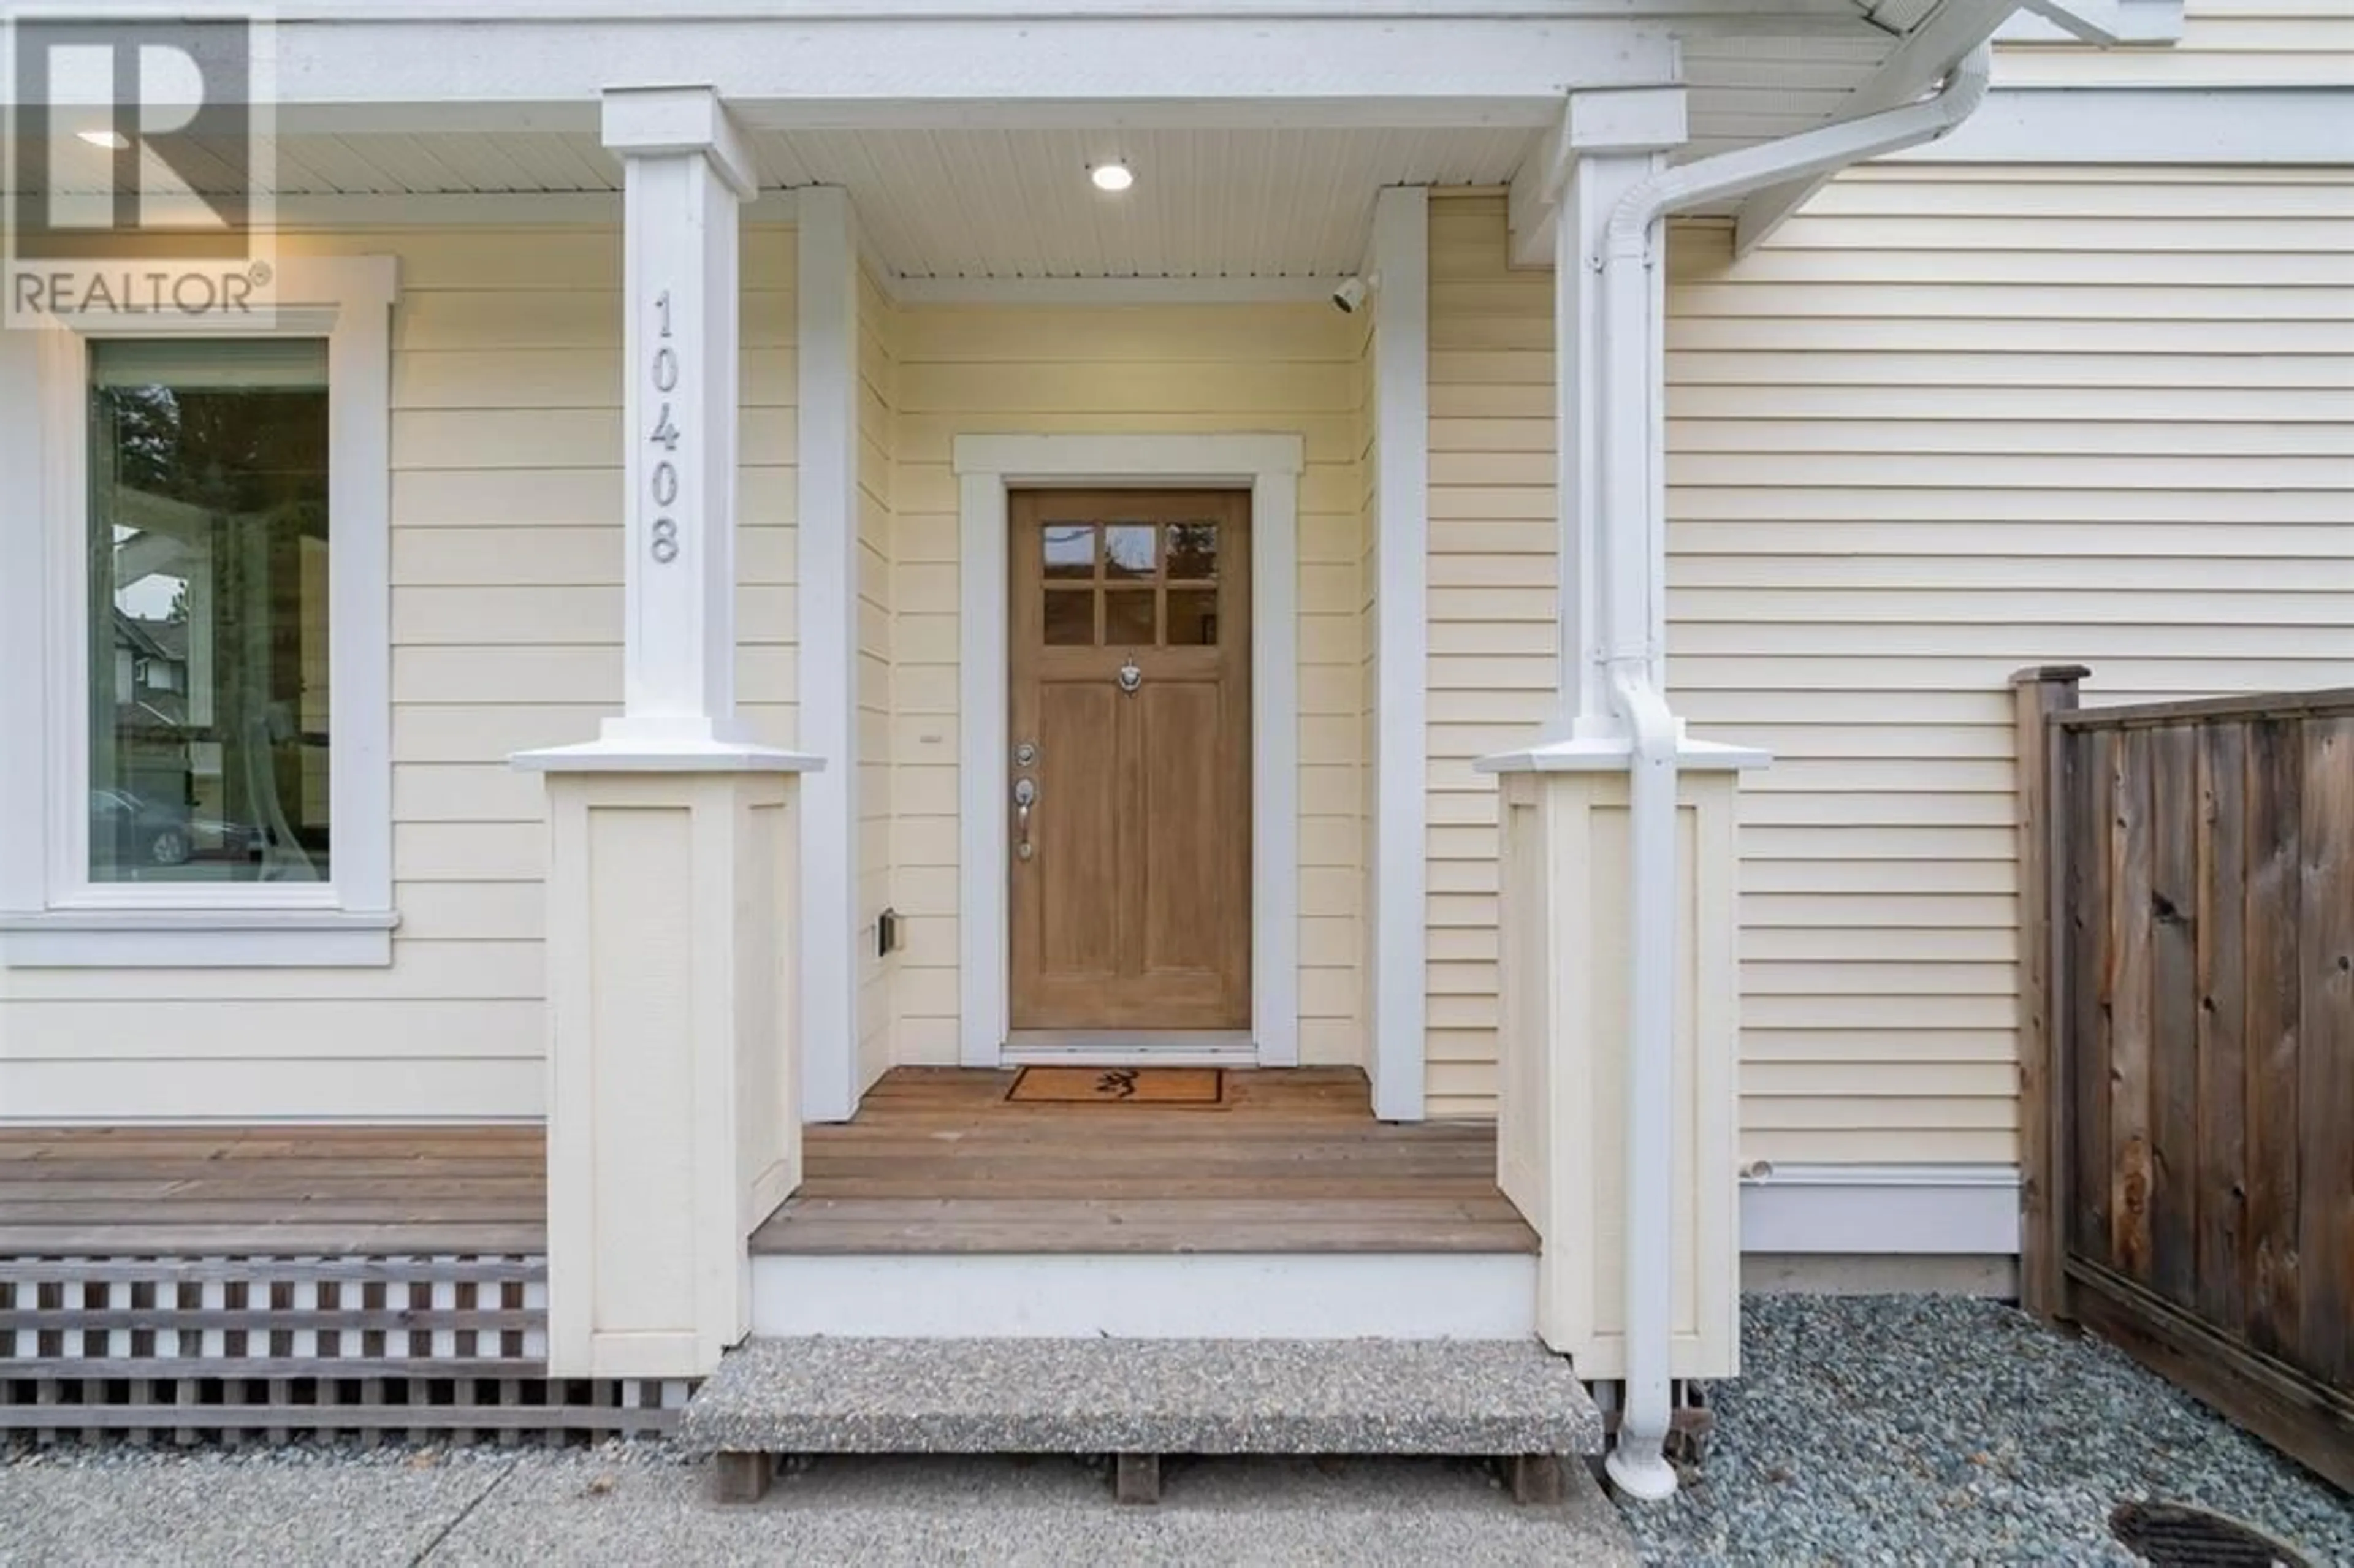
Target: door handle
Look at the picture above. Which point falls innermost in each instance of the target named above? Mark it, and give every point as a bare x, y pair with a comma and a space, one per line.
1025, 795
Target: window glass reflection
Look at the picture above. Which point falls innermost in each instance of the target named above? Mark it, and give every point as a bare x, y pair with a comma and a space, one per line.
1127, 549
1070, 550
208, 653
1193, 551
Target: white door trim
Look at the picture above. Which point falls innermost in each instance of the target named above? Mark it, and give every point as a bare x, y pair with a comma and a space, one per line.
987, 468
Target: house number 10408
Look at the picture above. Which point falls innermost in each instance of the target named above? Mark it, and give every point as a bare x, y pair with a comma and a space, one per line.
663, 484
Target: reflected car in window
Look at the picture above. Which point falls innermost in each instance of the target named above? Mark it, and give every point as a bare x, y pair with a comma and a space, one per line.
143, 832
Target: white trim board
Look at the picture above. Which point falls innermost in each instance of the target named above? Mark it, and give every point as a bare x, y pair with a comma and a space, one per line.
299, 212
850, 71
2152, 125
1399, 982
1141, 1296
1139, 290
987, 467
1892, 1209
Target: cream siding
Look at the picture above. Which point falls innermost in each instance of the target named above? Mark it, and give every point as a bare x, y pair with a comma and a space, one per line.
1133, 370
1953, 420
1491, 608
2224, 43
877, 680
506, 617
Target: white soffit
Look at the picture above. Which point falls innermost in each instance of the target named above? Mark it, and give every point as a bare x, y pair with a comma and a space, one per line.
946, 206
1206, 203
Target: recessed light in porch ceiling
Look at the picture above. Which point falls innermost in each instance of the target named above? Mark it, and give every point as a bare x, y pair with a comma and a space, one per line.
112, 140
1112, 176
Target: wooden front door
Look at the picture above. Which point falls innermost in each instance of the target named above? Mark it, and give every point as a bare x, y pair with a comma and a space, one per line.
1130, 706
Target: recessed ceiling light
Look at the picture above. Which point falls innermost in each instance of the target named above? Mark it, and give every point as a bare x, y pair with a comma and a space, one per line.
112, 140
1113, 176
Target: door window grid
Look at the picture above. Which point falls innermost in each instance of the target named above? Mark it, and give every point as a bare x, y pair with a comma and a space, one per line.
1130, 584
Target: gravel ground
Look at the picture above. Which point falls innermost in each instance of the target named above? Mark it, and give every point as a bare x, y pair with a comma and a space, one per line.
1874, 1430
1939, 1430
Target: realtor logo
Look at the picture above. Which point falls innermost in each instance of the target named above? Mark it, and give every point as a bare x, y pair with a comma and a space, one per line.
139, 177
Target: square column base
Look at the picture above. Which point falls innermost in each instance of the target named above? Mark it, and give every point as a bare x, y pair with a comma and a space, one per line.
1562, 1090
673, 1119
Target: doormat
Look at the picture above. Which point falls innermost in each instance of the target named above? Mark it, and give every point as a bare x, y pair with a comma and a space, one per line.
1118, 1086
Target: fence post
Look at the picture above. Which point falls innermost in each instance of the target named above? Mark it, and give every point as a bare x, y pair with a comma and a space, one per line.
2041, 691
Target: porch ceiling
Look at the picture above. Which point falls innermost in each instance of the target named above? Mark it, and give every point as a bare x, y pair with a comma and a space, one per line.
1004, 201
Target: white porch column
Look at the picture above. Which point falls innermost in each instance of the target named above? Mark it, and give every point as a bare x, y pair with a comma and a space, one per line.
1616, 1123
1592, 554
826, 302
1401, 847
674, 1121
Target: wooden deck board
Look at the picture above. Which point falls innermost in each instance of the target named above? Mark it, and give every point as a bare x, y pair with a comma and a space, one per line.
937, 1161
320, 1191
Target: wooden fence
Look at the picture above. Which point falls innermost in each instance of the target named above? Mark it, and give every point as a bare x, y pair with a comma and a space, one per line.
2187, 1054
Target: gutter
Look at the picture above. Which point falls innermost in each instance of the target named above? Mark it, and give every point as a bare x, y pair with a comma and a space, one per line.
1634, 419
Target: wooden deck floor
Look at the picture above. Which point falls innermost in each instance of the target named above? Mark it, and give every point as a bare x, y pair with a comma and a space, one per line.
937, 1161
335, 1192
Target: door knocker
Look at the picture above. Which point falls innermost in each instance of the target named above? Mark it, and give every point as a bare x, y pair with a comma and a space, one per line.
1131, 677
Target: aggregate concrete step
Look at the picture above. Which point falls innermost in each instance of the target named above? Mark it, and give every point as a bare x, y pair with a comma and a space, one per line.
1138, 1397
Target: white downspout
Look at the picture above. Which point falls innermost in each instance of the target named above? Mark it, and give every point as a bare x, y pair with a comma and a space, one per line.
1634, 419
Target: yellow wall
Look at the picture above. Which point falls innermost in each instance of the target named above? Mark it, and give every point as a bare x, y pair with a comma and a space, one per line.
1952, 421
878, 372
2224, 43
1200, 369
506, 626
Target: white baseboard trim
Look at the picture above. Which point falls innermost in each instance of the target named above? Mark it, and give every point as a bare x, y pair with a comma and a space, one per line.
1859, 1209
1211, 1296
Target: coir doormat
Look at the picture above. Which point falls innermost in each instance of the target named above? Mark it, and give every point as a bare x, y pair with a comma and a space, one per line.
1118, 1086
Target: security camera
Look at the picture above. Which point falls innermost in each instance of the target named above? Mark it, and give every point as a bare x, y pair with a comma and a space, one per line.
1349, 296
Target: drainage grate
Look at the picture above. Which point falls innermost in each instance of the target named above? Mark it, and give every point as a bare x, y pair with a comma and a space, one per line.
2168, 1535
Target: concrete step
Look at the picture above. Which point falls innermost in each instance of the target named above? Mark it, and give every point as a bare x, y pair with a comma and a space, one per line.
1138, 1397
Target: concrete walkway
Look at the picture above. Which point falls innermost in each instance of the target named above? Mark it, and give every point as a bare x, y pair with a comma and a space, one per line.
643, 1504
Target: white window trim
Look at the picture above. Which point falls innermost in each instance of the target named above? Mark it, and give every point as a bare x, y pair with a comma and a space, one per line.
51, 915
987, 468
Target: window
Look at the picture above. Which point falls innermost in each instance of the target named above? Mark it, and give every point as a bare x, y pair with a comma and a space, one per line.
210, 529
205, 665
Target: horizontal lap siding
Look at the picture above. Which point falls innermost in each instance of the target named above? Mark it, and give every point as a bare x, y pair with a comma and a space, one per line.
506, 615
1951, 422
2224, 43
1126, 370
877, 720
1491, 608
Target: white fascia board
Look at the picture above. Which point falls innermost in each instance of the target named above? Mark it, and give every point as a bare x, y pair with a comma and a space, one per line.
2156, 125
944, 73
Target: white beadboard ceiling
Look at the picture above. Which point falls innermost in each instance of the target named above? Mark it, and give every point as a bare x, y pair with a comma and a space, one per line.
1265, 203
1206, 203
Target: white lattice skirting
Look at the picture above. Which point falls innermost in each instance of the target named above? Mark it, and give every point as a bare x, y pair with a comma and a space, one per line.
237, 1347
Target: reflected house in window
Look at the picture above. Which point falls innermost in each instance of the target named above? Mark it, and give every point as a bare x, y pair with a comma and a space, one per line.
209, 539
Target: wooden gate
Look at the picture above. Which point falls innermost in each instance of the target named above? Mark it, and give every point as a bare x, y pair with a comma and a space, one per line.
2189, 1045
